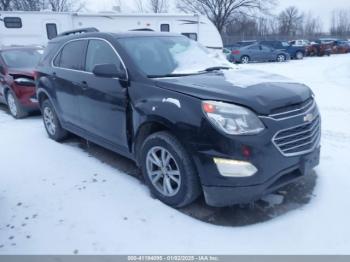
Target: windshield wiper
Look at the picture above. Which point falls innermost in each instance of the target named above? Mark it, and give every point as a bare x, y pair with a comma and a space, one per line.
215, 68
169, 75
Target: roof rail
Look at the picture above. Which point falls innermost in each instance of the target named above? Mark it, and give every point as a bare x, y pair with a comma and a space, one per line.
79, 31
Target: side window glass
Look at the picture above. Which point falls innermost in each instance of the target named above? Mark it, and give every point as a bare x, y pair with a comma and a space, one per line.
73, 54
51, 30
165, 28
100, 52
192, 36
56, 61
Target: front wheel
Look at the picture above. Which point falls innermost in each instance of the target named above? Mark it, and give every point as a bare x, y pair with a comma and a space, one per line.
168, 170
15, 108
281, 58
52, 123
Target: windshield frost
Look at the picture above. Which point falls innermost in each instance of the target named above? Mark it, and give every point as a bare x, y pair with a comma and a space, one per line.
166, 55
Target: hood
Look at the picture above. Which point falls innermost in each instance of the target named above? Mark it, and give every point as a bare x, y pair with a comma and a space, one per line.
22, 71
260, 91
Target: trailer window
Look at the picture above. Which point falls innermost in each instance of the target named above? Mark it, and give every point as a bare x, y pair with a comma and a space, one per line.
51, 30
165, 28
13, 22
192, 36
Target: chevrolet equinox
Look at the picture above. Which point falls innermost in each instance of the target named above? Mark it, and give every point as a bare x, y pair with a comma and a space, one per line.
192, 123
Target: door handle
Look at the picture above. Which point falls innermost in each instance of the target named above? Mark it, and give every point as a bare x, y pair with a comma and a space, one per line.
84, 85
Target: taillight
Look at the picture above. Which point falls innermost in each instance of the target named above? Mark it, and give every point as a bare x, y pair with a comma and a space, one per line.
236, 52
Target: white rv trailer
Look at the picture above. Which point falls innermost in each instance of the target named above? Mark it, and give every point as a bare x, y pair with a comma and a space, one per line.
36, 28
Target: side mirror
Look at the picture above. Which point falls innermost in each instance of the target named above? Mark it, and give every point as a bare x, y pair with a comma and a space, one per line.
109, 71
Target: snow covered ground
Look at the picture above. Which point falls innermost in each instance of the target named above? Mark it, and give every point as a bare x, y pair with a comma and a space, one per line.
59, 199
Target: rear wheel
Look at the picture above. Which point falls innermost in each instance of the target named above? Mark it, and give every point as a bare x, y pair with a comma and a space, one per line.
168, 170
299, 55
281, 58
15, 108
245, 59
51, 122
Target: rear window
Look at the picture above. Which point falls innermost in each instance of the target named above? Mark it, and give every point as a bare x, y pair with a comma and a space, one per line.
13, 22
73, 54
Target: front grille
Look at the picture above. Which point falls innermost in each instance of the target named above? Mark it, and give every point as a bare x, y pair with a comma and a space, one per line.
300, 139
293, 110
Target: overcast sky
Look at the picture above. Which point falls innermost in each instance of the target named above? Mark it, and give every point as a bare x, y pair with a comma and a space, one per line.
321, 8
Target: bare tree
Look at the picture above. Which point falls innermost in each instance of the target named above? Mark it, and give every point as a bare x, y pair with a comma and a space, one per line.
222, 12
65, 5
312, 26
290, 21
154, 6
340, 23
5, 5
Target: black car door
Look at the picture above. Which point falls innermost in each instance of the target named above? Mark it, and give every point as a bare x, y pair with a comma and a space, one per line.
68, 73
103, 100
2, 81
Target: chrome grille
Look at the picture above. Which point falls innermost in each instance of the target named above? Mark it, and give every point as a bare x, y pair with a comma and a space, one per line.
293, 110
299, 139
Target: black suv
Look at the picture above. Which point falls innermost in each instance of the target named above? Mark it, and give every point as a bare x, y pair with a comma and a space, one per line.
165, 102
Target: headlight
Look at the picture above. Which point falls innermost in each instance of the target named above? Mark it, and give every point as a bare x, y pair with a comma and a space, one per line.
232, 119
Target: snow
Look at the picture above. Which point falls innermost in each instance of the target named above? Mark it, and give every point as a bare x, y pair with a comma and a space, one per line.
57, 199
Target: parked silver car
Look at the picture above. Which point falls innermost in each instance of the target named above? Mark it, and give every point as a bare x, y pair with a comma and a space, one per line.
257, 53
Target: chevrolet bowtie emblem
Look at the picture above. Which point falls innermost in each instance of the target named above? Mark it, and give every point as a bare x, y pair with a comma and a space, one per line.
308, 118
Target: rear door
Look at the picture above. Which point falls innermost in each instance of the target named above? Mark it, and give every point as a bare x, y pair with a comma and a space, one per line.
103, 100
68, 74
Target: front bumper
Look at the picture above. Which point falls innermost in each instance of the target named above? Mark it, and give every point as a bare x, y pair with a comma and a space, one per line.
220, 196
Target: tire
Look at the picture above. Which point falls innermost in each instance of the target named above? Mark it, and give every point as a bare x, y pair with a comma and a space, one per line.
281, 58
299, 55
15, 108
245, 59
166, 162
51, 122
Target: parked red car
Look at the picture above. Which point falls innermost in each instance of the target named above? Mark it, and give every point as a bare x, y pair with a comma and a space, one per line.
17, 85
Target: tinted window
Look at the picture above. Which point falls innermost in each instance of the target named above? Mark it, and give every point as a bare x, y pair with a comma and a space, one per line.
13, 22
73, 54
22, 58
254, 47
100, 52
165, 28
51, 30
192, 36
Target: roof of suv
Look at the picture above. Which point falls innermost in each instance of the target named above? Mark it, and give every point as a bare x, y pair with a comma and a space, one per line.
127, 34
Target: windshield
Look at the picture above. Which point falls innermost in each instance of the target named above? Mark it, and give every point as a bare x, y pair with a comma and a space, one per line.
24, 58
170, 55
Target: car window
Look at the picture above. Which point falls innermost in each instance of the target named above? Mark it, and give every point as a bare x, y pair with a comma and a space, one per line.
254, 47
100, 52
72, 55
265, 48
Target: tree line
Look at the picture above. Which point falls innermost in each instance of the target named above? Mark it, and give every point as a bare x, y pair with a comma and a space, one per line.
38, 5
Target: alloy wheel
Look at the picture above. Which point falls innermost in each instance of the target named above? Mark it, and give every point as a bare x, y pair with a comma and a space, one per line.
49, 121
12, 104
163, 171
281, 58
